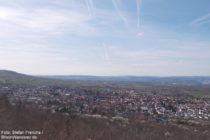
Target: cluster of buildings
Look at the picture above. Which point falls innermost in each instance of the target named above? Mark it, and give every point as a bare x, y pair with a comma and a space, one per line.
109, 102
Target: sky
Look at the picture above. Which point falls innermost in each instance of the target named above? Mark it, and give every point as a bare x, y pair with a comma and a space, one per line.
105, 37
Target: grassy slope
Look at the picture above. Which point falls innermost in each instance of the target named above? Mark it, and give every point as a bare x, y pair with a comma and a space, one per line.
16, 78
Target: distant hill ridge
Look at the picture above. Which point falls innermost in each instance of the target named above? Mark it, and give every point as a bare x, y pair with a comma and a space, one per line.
175, 80
18, 78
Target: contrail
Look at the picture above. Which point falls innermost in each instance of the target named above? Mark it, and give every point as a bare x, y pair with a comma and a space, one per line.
90, 6
117, 4
138, 5
106, 54
201, 20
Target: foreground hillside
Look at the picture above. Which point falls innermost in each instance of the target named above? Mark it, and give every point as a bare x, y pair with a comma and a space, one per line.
72, 127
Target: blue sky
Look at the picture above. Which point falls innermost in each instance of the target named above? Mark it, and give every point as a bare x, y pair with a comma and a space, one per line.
105, 37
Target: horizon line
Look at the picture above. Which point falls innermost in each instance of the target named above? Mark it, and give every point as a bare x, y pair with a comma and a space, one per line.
106, 75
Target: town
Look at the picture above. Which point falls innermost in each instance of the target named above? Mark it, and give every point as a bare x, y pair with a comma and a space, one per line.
124, 103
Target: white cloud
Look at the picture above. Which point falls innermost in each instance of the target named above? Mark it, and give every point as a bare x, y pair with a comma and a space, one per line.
7, 13
45, 21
